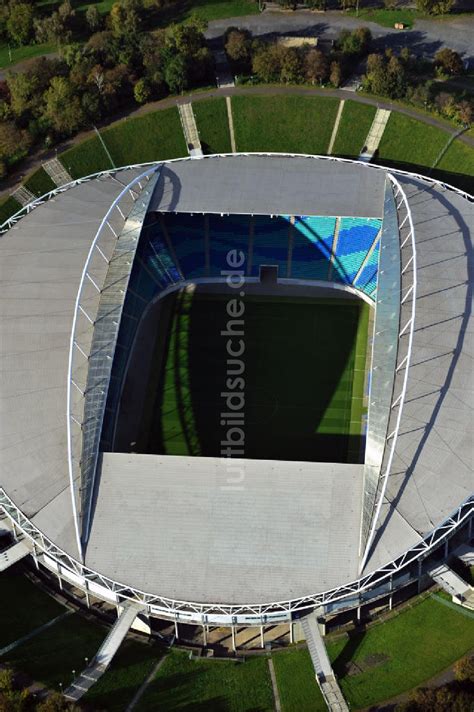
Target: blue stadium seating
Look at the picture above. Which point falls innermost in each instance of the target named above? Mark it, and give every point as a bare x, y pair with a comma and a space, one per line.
356, 236
270, 244
311, 249
227, 232
186, 233
367, 279
312, 246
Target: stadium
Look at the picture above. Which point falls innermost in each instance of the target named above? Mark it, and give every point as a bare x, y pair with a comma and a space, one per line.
238, 388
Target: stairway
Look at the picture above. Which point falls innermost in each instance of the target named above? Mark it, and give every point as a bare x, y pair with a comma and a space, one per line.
107, 650
322, 666
56, 171
14, 553
190, 130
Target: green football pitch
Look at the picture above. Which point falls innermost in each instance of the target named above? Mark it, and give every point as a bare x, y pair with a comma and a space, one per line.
303, 366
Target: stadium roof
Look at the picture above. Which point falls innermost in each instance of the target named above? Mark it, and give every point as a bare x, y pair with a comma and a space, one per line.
269, 185
41, 259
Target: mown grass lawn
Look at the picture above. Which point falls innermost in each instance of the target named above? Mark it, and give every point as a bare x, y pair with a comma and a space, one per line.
387, 18
213, 126
293, 124
401, 653
411, 142
19, 54
8, 207
156, 136
23, 606
40, 182
457, 166
215, 9
356, 120
129, 669
85, 158
209, 686
296, 682
51, 656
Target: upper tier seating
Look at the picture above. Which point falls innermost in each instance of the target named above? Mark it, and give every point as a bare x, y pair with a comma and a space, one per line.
355, 238
304, 247
312, 246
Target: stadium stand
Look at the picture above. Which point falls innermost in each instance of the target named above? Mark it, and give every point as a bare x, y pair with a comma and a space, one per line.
344, 249
270, 244
312, 247
367, 279
356, 236
187, 235
227, 232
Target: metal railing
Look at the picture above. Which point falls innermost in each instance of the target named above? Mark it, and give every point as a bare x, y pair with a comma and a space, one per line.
84, 577
408, 286
85, 311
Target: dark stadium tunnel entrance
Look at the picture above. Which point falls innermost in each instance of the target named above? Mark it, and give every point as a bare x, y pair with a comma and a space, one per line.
299, 368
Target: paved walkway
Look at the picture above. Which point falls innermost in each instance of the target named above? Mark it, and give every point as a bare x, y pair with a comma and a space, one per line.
36, 160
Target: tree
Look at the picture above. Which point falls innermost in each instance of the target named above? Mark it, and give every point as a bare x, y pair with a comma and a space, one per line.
335, 76
62, 107
55, 702
291, 70
12, 699
142, 91
266, 63
316, 66
396, 78
466, 116
93, 18
354, 43
176, 74
238, 48
449, 61
58, 27
125, 18
434, 7
24, 93
20, 23
14, 145
464, 668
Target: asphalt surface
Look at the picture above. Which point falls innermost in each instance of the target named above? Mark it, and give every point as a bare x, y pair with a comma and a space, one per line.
426, 38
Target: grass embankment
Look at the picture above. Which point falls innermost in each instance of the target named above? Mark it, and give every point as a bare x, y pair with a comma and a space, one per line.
415, 146
210, 686
24, 607
386, 660
154, 137
296, 682
291, 124
355, 123
213, 126
129, 669
409, 141
40, 183
20, 54
8, 207
402, 653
